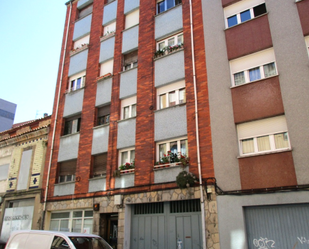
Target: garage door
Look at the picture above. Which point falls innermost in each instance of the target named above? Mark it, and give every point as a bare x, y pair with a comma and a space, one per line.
166, 225
283, 227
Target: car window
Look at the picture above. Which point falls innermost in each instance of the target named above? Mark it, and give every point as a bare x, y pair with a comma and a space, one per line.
59, 243
89, 243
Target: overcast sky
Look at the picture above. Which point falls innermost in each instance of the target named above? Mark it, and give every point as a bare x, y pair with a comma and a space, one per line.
30, 42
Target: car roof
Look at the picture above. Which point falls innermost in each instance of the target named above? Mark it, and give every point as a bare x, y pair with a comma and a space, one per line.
68, 234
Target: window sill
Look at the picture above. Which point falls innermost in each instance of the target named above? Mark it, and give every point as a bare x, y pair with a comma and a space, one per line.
170, 107
264, 153
74, 91
107, 36
100, 126
130, 28
97, 177
79, 49
109, 3
103, 77
168, 165
65, 183
255, 81
166, 53
68, 135
246, 21
127, 171
128, 70
122, 120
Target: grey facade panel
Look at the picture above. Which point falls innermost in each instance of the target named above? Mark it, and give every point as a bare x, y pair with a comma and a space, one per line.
64, 189
73, 103
97, 184
124, 181
169, 68
78, 63
223, 132
170, 123
82, 27
130, 5
110, 13
104, 92
82, 3
126, 133
292, 62
128, 83
167, 174
107, 49
24, 170
68, 148
130, 39
100, 140
168, 22
7, 114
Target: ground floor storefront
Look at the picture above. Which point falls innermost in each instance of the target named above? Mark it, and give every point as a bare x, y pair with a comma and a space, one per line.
158, 219
262, 221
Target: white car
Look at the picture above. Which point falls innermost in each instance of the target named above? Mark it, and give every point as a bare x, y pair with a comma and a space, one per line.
30, 239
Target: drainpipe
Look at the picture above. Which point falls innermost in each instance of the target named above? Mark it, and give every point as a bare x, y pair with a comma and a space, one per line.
56, 117
197, 133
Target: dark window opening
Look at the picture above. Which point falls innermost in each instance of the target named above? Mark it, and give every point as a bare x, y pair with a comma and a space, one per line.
259, 10
99, 163
72, 125
166, 4
103, 115
85, 11
130, 60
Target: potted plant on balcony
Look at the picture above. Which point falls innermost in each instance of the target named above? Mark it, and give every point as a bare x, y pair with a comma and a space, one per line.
185, 179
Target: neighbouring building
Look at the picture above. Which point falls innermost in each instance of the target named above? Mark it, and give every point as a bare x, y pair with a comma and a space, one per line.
258, 82
130, 114
22, 159
7, 114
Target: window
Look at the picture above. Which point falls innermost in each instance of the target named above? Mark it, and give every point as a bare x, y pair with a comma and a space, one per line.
128, 108
4, 169
106, 67
85, 11
253, 67
171, 95
99, 165
126, 156
262, 136
109, 28
132, 19
67, 171
77, 81
176, 147
307, 43
166, 4
241, 12
74, 221
81, 42
72, 125
130, 60
103, 114
170, 41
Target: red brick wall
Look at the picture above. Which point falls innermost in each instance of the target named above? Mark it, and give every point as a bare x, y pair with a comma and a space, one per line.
267, 171
257, 100
303, 10
249, 37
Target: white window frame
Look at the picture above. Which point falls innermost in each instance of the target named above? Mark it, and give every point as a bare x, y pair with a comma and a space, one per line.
109, 28
165, 90
132, 19
107, 67
246, 63
165, 3
74, 125
128, 103
307, 44
167, 143
165, 41
73, 86
129, 159
239, 7
81, 42
262, 128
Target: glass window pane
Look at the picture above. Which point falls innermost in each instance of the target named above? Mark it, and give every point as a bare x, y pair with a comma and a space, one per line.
54, 225
161, 45
77, 214
259, 10
182, 95
239, 78
254, 74
132, 156
161, 7
126, 111
88, 213
173, 147
269, 69
232, 21
162, 150
171, 41
64, 226
87, 226
73, 85
78, 83
133, 114
263, 143
180, 39
60, 215
77, 225
247, 145
163, 102
184, 147
244, 16
124, 157
172, 98
281, 140
170, 4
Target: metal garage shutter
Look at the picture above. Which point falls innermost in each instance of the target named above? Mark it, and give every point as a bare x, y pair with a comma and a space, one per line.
283, 227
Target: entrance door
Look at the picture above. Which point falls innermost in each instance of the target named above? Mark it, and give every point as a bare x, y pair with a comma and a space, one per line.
109, 228
166, 225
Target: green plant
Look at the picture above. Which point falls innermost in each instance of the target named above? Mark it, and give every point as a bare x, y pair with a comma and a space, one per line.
116, 173
127, 166
171, 157
185, 179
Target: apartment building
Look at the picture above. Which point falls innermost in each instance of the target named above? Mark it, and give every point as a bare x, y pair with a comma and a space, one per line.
258, 77
22, 160
131, 114
7, 114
